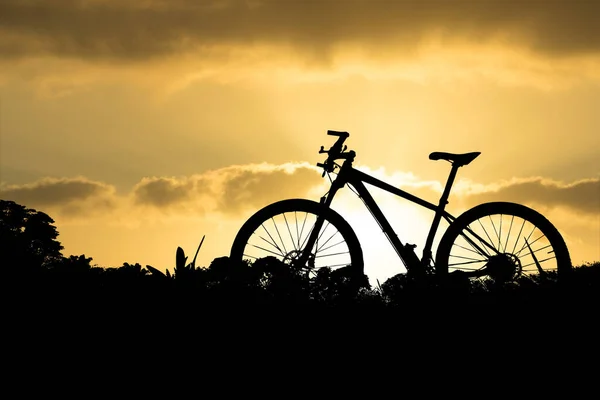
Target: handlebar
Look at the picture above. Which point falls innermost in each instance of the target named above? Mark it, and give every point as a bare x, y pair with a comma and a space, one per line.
335, 152
338, 133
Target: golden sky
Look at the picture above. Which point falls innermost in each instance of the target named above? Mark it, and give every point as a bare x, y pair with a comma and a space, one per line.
140, 126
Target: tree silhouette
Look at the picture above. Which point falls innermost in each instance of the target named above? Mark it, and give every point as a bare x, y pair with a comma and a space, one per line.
28, 238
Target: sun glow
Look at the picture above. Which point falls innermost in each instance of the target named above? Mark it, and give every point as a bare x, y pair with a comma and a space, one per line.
409, 221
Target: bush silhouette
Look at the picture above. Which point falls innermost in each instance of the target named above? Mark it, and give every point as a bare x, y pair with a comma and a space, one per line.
28, 238
32, 260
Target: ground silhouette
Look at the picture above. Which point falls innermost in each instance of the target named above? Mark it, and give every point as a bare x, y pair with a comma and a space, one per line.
38, 277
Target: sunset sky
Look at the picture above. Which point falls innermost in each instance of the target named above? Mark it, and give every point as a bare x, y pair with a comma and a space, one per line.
142, 125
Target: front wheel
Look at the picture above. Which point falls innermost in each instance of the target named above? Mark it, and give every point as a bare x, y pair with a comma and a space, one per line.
502, 241
281, 230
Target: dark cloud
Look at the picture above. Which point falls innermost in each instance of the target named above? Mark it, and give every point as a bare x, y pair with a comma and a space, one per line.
162, 192
228, 190
241, 188
115, 29
55, 191
582, 196
252, 189
71, 196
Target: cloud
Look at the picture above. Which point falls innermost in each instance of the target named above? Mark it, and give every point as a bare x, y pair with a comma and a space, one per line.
252, 188
227, 190
582, 196
163, 192
236, 190
143, 30
74, 196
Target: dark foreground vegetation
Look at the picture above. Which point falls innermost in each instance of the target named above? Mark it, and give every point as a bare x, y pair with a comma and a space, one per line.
41, 282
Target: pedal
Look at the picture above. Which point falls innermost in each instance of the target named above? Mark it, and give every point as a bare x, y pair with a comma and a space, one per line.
411, 257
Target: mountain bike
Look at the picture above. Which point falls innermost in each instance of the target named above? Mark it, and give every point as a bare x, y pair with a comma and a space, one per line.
498, 240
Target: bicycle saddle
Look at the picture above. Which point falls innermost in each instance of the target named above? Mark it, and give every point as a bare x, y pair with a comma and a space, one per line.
458, 159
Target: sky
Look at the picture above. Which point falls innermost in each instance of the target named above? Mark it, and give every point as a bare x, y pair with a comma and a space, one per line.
140, 126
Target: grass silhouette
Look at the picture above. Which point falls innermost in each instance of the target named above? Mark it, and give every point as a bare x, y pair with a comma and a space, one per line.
49, 283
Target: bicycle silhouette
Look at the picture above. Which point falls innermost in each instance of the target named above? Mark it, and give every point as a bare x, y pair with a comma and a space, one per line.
498, 240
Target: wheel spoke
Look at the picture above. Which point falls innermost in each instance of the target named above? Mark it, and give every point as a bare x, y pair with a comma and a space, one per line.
297, 233
495, 231
530, 243
284, 230
509, 230
535, 260
468, 258
485, 231
540, 261
526, 239
302, 230
273, 241
535, 251
500, 234
250, 256
332, 254
279, 234
272, 244
518, 236
481, 250
335, 265
306, 238
515, 240
321, 234
333, 245
466, 263
267, 250
290, 232
472, 250
327, 241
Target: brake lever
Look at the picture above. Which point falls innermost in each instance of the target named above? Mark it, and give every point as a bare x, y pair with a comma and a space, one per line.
325, 171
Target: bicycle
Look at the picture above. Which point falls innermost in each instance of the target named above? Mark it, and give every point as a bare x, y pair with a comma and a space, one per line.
309, 235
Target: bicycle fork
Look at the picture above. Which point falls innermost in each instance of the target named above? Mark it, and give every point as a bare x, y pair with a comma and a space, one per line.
306, 257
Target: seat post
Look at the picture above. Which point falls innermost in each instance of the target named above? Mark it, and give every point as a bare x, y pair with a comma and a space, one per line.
427, 256
449, 183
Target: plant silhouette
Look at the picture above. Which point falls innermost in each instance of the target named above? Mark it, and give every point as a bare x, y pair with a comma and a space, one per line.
28, 238
38, 270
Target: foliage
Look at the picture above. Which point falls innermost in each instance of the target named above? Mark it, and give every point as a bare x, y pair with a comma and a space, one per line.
28, 237
31, 256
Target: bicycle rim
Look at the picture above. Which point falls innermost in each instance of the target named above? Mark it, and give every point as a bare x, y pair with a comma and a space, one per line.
281, 230
504, 239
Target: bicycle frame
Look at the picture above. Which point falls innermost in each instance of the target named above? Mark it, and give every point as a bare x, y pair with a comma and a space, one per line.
492, 261
357, 179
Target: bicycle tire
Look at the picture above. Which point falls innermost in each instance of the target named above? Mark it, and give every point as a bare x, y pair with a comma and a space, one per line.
244, 241
526, 254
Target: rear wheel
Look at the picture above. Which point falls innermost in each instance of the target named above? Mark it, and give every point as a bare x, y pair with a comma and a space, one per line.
502, 241
281, 230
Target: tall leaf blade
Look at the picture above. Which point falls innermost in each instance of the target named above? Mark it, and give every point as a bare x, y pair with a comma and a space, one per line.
180, 259
197, 250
